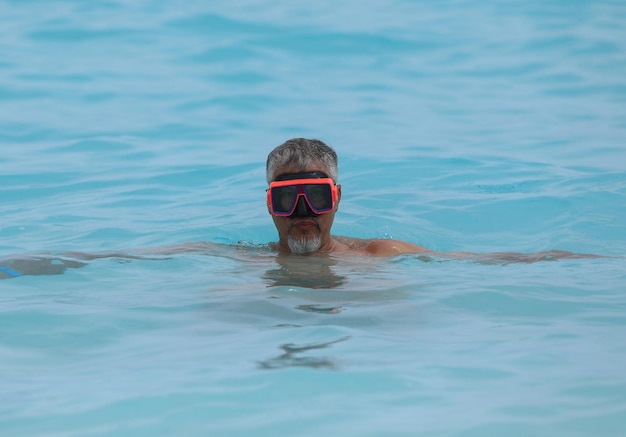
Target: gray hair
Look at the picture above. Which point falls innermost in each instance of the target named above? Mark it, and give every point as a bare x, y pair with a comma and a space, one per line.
301, 153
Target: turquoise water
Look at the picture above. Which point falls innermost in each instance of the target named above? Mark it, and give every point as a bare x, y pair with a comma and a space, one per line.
491, 126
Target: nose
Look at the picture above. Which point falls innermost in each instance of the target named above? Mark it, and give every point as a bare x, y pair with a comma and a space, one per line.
303, 209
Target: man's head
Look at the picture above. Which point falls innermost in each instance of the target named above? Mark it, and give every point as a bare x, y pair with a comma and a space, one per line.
301, 153
303, 195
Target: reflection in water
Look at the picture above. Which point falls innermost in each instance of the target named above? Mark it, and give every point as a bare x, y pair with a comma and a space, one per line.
289, 358
304, 271
312, 308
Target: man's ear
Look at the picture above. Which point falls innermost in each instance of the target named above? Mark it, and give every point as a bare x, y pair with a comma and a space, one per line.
338, 196
267, 202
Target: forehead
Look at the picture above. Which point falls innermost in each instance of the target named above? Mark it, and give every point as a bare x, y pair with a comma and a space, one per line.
293, 168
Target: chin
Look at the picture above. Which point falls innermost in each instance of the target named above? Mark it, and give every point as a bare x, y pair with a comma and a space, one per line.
304, 245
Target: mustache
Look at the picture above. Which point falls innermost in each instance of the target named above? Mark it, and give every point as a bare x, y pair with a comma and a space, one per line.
294, 222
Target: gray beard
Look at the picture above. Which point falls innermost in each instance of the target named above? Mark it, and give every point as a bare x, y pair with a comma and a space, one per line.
302, 246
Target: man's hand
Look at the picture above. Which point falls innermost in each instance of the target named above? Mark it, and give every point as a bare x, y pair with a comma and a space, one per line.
36, 265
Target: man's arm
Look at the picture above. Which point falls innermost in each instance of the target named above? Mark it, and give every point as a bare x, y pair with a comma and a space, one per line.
50, 264
513, 257
379, 247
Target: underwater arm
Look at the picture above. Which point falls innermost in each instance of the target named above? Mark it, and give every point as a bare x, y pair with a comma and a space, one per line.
50, 264
389, 247
513, 257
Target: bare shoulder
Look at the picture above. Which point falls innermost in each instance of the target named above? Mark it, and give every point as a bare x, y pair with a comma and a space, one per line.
381, 247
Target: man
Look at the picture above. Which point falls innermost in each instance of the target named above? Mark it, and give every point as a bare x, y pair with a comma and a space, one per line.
302, 198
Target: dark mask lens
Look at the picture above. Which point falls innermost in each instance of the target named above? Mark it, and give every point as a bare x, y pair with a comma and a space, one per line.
284, 198
319, 196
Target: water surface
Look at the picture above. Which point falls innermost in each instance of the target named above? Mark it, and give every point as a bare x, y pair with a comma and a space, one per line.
485, 127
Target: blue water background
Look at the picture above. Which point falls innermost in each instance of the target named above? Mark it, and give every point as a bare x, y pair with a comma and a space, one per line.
491, 126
